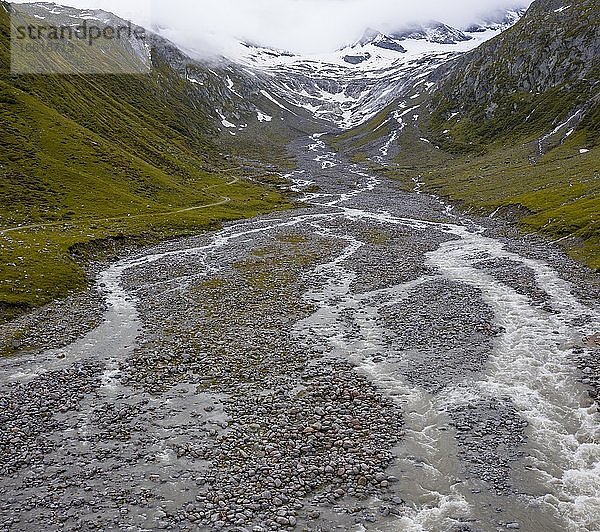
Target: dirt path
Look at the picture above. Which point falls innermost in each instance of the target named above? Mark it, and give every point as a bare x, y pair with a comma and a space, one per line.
224, 200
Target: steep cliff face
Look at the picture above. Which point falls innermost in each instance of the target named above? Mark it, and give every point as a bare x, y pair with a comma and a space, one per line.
542, 70
554, 44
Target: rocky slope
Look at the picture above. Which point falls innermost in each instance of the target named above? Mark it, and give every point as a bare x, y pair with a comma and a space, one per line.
351, 85
510, 128
544, 68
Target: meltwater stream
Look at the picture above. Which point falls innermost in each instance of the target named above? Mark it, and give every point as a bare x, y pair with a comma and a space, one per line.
558, 483
530, 365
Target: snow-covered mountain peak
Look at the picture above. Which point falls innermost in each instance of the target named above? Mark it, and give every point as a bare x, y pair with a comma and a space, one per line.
432, 31
380, 40
352, 84
344, 87
496, 20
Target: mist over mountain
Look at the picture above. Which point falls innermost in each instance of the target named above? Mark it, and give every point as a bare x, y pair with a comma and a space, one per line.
301, 26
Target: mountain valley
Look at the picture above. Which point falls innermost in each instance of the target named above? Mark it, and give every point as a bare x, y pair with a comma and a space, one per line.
267, 291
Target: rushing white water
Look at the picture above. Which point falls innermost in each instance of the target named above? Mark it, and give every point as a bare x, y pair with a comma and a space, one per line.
529, 364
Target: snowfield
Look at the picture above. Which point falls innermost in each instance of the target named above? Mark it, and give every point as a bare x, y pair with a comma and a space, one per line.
349, 86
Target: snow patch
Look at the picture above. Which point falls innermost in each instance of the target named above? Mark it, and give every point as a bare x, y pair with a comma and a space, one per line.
556, 130
268, 96
262, 117
224, 121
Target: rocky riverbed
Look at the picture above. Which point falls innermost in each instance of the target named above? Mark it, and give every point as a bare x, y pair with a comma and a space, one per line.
371, 361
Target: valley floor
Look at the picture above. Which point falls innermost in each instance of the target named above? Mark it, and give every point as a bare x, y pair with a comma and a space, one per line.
372, 361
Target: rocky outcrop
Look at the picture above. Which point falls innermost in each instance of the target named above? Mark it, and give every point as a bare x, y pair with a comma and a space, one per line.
555, 47
433, 31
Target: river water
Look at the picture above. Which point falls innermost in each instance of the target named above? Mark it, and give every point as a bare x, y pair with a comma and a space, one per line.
527, 378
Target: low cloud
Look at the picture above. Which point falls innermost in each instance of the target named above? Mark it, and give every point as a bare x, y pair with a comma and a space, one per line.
296, 25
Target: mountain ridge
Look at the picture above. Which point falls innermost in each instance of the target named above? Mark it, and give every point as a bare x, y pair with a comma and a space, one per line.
88, 161
351, 85
510, 128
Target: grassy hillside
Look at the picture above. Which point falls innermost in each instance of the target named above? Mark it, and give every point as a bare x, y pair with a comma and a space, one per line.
92, 159
557, 195
512, 128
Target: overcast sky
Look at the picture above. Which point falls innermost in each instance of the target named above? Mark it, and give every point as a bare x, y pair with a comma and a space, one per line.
295, 25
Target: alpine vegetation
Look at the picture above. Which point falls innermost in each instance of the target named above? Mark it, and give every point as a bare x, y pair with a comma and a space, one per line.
300, 265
